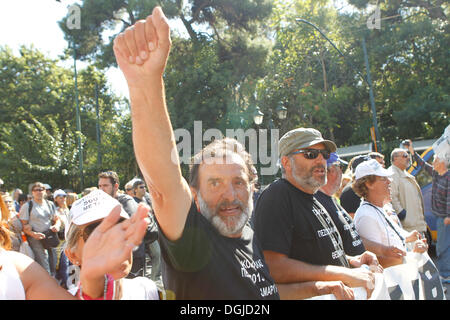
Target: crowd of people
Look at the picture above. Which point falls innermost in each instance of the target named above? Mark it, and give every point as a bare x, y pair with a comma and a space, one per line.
314, 231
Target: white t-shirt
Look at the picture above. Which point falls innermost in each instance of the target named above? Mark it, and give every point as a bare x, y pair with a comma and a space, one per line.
139, 288
372, 225
11, 287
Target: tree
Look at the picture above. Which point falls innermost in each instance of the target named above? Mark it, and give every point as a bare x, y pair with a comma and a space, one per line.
409, 66
309, 77
37, 100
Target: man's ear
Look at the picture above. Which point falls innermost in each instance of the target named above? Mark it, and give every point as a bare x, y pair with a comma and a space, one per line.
195, 196
116, 187
286, 163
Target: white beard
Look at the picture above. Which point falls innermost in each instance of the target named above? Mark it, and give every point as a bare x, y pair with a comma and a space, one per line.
226, 226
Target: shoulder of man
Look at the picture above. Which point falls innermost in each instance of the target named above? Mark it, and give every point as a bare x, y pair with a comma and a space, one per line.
128, 203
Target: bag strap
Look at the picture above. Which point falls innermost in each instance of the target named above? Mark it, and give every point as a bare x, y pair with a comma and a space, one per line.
30, 207
387, 220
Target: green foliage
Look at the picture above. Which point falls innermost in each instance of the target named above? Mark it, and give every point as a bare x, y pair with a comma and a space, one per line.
39, 137
238, 55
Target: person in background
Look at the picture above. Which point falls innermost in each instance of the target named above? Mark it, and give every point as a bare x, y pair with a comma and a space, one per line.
440, 206
15, 195
352, 242
349, 200
108, 182
379, 157
71, 198
62, 210
406, 195
41, 218
23, 198
152, 248
129, 187
48, 192
373, 223
11, 217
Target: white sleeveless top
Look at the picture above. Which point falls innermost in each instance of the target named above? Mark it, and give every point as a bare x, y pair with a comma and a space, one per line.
11, 287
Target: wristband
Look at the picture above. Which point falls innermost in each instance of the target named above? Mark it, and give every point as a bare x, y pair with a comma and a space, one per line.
108, 291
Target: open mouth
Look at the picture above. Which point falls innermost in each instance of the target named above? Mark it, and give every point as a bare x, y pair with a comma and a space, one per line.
230, 210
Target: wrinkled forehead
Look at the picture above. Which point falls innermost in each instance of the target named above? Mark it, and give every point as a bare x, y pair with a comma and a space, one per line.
225, 166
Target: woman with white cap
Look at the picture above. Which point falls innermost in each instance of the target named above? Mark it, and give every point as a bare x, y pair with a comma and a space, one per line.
105, 251
374, 224
84, 217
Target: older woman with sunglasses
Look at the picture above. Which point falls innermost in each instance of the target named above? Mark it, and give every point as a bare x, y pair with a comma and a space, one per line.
109, 245
85, 217
372, 183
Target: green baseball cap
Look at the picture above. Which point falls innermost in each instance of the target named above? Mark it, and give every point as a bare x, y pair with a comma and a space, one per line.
302, 138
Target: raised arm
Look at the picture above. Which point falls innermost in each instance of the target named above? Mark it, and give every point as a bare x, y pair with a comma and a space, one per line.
141, 52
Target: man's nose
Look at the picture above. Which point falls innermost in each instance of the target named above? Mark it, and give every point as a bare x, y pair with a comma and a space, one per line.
229, 192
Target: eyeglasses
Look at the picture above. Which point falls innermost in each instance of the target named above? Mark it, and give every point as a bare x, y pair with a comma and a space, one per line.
313, 153
39, 189
91, 227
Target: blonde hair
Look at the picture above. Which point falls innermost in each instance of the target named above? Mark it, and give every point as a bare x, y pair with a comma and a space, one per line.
5, 238
71, 198
73, 234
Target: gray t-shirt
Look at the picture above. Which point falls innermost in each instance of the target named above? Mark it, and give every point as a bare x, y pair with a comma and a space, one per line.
41, 217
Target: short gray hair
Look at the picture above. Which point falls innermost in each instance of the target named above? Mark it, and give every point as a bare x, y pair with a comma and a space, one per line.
395, 152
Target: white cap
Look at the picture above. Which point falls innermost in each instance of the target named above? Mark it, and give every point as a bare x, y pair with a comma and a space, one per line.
371, 168
59, 193
92, 207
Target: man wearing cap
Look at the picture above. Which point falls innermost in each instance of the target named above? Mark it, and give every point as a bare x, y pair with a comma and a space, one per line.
352, 241
406, 195
48, 192
300, 240
349, 199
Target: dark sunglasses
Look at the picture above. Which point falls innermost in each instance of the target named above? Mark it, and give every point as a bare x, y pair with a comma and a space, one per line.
313, 153
141, 187
405, 155
39, 189
90, 228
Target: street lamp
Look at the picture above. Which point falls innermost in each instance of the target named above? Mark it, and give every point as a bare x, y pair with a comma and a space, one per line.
281, 112
367, 80
258, 116
78, 120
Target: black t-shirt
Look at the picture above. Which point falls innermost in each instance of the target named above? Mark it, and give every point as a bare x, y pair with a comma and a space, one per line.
353, 245
349, 199
294, 223
204, 265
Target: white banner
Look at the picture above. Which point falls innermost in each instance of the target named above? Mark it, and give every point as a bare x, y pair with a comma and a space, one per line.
416, 279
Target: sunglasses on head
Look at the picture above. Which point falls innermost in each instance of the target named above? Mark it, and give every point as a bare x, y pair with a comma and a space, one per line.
87, 231
313, 153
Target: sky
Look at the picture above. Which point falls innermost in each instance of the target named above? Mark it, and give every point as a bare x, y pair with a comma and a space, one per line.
26, 22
